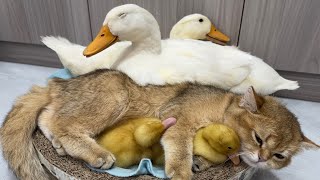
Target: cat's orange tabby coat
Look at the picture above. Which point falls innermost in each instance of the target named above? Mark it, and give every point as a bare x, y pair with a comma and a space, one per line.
72, 112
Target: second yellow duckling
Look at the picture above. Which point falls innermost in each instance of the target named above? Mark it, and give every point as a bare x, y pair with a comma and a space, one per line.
217, 143
139, 138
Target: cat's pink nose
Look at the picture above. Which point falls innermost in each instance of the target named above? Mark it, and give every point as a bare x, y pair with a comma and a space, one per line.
261, 158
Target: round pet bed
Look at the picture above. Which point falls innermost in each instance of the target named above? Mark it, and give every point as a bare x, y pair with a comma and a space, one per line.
66, 167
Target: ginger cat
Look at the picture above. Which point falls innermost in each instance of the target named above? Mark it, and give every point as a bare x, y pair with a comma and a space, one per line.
72, 112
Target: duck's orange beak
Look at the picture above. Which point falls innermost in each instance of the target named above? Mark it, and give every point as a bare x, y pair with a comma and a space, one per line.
103, 40
216, 35
234, 158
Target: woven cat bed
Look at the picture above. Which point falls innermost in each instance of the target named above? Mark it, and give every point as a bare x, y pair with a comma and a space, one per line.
66, 167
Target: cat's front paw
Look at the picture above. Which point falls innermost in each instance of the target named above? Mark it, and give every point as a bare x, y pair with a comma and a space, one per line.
179, 173
58, 147
200, 164
102, 160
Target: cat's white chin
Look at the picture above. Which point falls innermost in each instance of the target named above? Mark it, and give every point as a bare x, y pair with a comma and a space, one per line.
251, 161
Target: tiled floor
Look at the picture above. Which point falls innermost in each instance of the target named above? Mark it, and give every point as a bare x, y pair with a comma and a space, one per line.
16, 79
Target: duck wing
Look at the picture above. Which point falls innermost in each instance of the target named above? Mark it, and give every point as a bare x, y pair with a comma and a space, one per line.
264, 79
205, 63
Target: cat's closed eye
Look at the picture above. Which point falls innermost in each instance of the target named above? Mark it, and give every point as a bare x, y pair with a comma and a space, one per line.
278, 156
257, 139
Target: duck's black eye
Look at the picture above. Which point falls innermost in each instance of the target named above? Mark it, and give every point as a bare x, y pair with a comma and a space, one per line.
201, 20
229, 147
258, 139
102, 35
122, 15
279, 156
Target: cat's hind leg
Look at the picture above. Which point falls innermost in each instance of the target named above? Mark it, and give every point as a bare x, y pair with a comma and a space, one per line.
74, 135
82, 146
78, 144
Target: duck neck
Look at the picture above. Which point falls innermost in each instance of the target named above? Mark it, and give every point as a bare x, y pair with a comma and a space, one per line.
151, 44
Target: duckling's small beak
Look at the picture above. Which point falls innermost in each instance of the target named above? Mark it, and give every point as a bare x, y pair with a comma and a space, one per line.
215, 35
234, 158
103, 40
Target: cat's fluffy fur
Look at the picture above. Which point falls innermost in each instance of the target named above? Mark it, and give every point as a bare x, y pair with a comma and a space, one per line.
72, 112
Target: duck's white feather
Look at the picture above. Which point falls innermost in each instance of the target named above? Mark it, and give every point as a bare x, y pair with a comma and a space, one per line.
179, 63
160, 69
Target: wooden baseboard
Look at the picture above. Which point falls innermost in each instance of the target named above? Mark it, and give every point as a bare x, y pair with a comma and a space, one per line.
309, 86
40, 55
28, 54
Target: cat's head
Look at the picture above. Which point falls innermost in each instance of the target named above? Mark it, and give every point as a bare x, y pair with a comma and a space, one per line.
270, 134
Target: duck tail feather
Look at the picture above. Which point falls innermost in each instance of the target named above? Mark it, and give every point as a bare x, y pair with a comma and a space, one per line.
288, 84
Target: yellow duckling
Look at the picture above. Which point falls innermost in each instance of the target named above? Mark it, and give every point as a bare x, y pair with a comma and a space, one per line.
135, 139
139, 138
217, 143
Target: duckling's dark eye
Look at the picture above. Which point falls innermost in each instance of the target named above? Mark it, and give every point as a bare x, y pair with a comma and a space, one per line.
229, 147
201, 20
102, 35
258, 139
279, 156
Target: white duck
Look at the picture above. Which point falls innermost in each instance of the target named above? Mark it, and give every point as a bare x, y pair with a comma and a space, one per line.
149, 61
197, 26
194, 26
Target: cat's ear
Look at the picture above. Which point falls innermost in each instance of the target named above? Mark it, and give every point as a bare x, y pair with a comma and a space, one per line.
308, 144
251, 101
